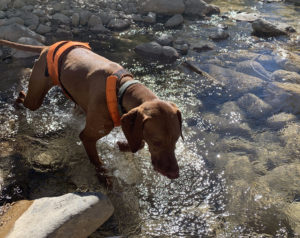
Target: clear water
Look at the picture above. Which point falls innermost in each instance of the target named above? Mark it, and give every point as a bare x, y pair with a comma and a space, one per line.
237, 173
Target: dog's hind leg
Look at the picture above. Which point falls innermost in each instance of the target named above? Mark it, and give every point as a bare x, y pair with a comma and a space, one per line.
38, 86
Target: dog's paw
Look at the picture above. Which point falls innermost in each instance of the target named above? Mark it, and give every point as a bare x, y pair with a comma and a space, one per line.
21, 98
123, 146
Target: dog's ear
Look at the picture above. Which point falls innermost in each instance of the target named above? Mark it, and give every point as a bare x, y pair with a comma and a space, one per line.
179, 118
132, 125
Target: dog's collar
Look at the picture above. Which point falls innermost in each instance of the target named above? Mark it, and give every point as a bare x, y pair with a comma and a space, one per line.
114, 98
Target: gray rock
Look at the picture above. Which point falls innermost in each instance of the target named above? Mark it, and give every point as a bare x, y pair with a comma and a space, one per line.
174, 21
234, 81
24, 54
253, 68
169, 53
15, 31
292, 63
164, 39
106, 17
84, 17
296, 2
43, 29
1, 53
5, 22
150, 49
150, 18
94, 21
63, 34
19, 3
203, 46
4, 4
30, 19
61, 18
73, 215
285, 76
161, 6
262, 27
293, 215
137, 18
99, 28
254, 106
199, 8
280, 120
2, 14
75, 19
39, 12
118, 24
181, 46
58, 7
219, 35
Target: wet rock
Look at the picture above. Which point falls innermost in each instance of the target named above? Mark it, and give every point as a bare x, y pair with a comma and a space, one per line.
75, 19
94, 21
262, 27
285, 76
46, 162
2, 14
75, 214
181, 46
292, 63
118, 24
164, 39
238, 167
199, 8
283, 97
174, 21
254, 106
234, 81
4, 4
61, 18
15, 31
169, 53
278, 121
150, 18
24, 54
293, 216
43, 29
156, 51
219, 35
203, 46
12, 20
253, 68
244, 16
84, 17
162, 6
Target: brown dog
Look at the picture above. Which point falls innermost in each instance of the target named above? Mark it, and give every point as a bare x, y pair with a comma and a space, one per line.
83, 75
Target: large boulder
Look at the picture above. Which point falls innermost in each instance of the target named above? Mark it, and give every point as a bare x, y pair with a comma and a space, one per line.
162, 6
74, 215
15, 31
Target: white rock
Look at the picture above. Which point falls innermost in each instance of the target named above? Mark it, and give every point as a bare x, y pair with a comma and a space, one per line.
74, 215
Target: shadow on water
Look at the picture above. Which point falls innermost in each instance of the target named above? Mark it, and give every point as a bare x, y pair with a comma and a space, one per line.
237, 164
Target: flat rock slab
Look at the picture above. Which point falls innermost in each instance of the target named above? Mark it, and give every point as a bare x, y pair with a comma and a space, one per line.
75, 215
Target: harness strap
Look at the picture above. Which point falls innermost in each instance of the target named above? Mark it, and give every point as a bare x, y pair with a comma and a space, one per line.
55, 55
114, 99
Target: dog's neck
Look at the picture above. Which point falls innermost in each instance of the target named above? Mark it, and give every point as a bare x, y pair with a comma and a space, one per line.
136, 95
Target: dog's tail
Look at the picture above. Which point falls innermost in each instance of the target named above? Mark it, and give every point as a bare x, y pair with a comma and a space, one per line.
18, 46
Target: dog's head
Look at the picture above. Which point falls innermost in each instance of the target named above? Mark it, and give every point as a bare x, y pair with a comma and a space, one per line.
158, 123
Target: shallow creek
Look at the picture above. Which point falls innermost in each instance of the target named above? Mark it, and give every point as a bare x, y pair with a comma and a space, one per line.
239, 165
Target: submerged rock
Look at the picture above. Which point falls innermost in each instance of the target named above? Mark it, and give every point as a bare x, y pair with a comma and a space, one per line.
72, 215
219, 35
265, 28
164, 39
254, 106
278, 121
253, 68
285, 76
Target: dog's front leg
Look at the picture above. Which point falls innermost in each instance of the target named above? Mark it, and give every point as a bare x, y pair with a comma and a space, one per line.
89, 143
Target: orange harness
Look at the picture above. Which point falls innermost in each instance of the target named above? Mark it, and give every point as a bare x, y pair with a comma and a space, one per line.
55, 54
